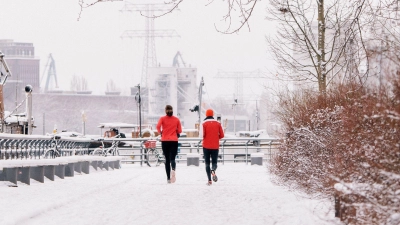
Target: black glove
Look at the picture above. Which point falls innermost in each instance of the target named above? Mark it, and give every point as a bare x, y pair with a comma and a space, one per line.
178, 134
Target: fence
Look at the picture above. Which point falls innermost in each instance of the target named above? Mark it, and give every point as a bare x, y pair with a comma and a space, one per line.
132, 150
231, 149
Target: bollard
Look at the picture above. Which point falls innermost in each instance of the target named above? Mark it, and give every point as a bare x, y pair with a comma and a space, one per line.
193, 159
257, 158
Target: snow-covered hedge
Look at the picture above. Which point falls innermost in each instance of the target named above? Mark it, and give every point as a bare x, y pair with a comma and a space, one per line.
348, 138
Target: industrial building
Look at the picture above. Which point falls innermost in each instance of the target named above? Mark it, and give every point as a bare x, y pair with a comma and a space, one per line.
174, 86
24, 65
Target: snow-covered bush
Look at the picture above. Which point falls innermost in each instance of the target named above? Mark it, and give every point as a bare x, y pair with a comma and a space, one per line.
349, 137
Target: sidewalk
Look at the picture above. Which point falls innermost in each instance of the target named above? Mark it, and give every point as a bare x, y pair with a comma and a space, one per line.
140, 195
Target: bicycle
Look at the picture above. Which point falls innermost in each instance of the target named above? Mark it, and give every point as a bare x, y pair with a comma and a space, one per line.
103, 151
154, 156
54, 150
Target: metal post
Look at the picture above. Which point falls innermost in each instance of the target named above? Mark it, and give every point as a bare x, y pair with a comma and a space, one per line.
223, 152
28, 90
257, 117
234, 116
84, 122
234, 119
44, 123
141, 154
139, 101
247, 151
200, 97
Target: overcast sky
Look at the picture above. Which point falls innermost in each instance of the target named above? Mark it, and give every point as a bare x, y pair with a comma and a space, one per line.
92, 47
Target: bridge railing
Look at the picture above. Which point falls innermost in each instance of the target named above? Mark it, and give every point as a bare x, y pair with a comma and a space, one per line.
230, 150
14, 147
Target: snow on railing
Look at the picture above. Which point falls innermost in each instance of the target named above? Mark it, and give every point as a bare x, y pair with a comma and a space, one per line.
17, 146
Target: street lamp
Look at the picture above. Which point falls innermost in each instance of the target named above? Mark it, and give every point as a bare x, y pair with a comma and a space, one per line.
84, 118
200, 96
138, 101
234, 115
234, 104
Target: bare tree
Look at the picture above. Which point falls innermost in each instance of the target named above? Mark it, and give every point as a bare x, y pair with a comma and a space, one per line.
383, 42
111, 86
237, 13
79, 83
313, 37
88, 3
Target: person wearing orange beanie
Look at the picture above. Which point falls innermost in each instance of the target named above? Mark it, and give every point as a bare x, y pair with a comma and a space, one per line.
212, 133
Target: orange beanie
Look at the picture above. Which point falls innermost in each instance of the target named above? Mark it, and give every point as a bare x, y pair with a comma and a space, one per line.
209, 112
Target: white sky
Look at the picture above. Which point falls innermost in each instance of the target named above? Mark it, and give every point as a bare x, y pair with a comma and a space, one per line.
92, 47
244, 194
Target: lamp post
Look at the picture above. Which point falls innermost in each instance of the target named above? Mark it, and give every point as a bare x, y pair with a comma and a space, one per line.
200, 96
139, 101
234, 116
28, 90
257, 115
84, 118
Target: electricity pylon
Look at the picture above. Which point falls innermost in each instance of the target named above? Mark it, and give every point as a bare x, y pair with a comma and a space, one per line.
149, 33
239, 76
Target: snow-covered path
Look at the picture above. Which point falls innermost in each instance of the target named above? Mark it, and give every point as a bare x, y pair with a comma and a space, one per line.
243, 194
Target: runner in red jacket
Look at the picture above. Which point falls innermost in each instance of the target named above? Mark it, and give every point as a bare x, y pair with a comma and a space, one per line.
212, 133
170, 128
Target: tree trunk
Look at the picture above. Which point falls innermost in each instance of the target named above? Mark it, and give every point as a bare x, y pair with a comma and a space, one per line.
321, 48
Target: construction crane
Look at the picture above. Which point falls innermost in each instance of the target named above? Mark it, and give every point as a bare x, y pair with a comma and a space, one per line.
176, 63
50, 70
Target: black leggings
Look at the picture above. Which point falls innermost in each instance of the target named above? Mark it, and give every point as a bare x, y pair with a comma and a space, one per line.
170, 150
214, 159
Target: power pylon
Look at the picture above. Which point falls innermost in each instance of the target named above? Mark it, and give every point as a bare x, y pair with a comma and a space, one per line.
239, 76
149, 33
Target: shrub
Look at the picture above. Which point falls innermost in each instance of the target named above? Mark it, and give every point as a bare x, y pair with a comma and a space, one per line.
350, 137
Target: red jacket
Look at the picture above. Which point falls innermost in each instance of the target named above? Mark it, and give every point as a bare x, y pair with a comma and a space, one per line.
212, 132
169, 127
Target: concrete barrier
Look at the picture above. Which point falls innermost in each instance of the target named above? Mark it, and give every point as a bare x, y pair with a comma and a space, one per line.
193, 159
37, 169
257, 158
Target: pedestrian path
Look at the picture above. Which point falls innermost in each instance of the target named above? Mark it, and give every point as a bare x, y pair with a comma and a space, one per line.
244, 194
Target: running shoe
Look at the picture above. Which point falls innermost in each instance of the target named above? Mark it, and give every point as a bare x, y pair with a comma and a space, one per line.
209, 183
214, 176
168, 181
173, 176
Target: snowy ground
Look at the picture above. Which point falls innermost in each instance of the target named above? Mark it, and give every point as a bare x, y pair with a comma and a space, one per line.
243, 194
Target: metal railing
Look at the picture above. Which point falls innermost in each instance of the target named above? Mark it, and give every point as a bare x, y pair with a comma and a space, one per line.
14, 147
230, 150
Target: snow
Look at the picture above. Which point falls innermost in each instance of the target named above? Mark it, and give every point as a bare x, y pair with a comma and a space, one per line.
135, 194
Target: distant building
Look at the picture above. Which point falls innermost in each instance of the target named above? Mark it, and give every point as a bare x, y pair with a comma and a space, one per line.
25, 68
174, 86
233, 124
64, 111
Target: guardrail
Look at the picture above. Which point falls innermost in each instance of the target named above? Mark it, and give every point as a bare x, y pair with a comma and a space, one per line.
15, 146
18, 147
26, 157
231, 149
